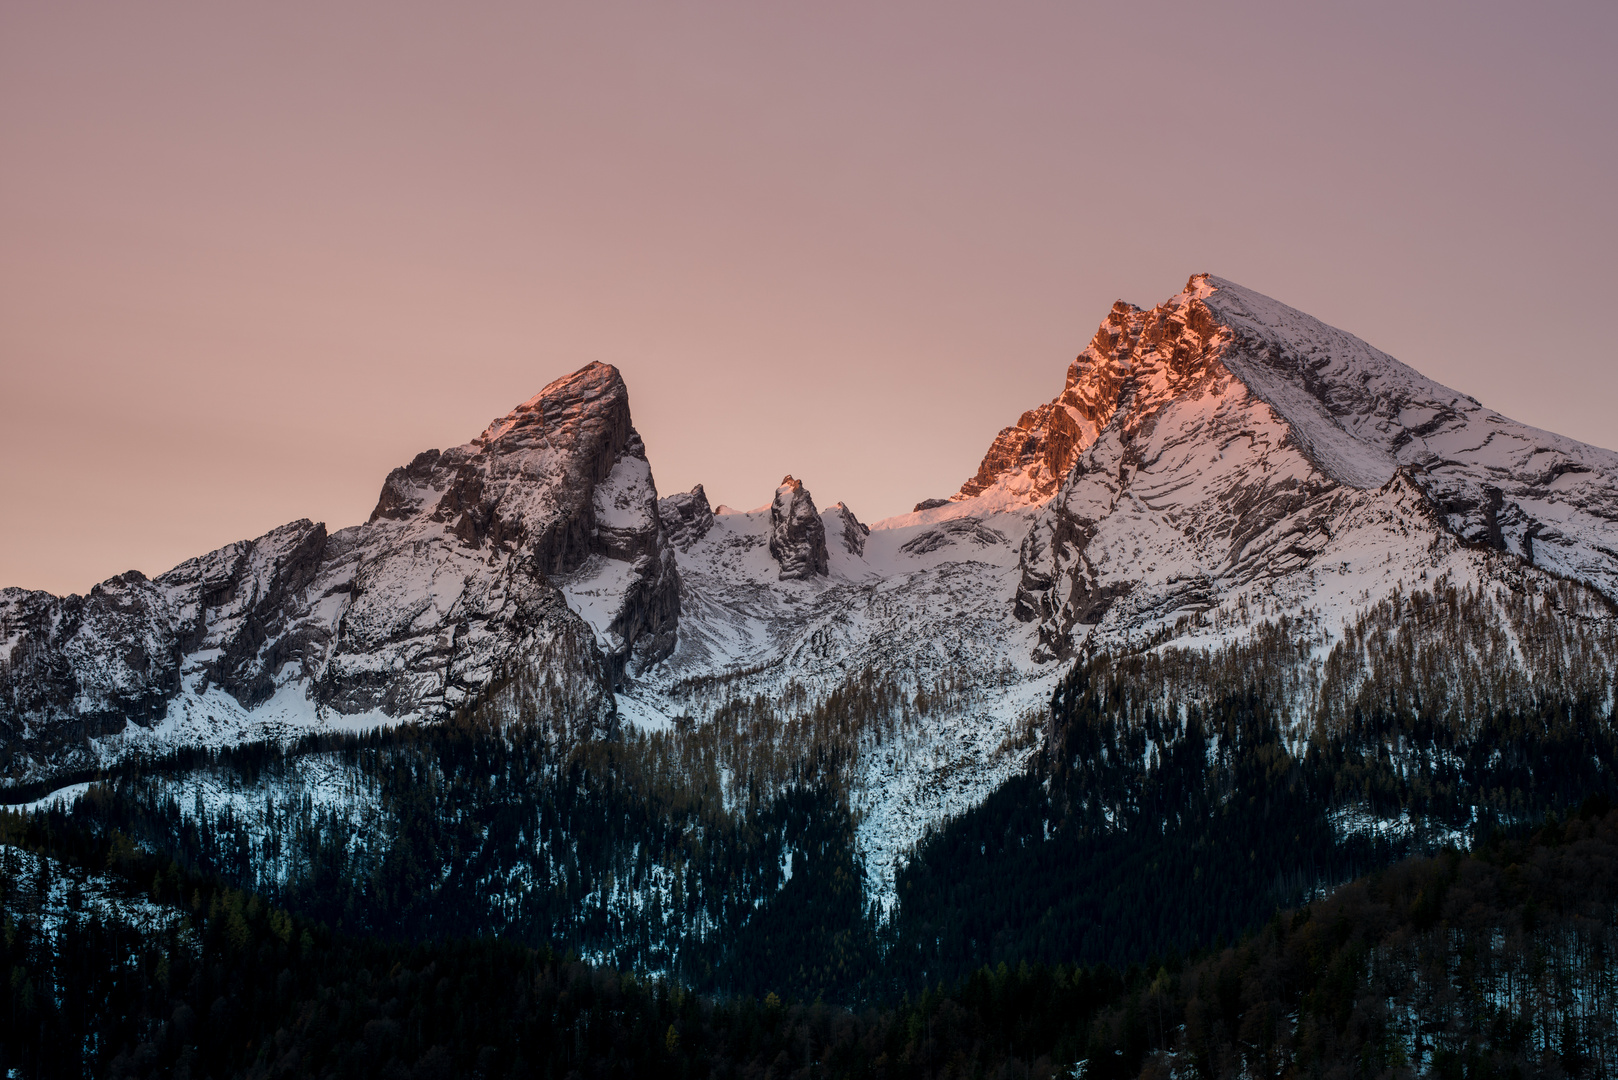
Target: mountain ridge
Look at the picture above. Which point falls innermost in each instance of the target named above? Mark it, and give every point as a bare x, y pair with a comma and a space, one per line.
1217, 453
1249, 610
1324, 416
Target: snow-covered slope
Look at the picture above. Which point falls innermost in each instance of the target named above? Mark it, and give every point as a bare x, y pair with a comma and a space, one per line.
921, 602
49, 897
918, 594
1251, 454
451, 586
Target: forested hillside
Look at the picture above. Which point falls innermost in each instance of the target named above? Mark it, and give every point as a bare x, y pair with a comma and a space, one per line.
1148, 827
1493, 963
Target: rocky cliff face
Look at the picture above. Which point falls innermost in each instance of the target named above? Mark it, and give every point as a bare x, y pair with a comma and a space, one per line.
1030, 459
1025, 464
797, 535
450, 588
558, 487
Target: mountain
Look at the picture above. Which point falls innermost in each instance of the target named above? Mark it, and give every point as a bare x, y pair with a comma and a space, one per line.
1223, 483
448, 592
1225, 490
1249, 610
1242, 448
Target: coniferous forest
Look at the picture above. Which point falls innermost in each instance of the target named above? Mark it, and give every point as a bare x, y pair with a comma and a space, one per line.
1492, 963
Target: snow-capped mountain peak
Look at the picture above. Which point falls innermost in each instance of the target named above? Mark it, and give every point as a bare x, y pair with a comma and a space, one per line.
1241, 441
536, 547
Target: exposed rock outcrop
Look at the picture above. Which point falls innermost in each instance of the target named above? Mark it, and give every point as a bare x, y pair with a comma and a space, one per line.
1039, 451
797, 535
557, 489
77, 667
1025, 464
686, 515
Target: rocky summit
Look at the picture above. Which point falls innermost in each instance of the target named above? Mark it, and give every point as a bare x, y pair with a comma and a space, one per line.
1243, 442
448, 589
797, 535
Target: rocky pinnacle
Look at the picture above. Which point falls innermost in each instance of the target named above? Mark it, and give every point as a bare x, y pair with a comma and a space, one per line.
797, 535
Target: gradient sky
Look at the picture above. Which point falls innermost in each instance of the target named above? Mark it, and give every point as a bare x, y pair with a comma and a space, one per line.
254, 256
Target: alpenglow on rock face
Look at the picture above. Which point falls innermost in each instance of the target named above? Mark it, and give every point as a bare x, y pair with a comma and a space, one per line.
797, 535
1228, 442
451, 586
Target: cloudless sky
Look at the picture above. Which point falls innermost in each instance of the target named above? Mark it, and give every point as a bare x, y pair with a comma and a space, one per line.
252, 256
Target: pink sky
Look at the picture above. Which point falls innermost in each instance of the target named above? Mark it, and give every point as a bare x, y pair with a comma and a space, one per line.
253, 256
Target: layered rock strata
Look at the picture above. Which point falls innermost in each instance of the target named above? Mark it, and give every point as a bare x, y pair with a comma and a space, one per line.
1027, 462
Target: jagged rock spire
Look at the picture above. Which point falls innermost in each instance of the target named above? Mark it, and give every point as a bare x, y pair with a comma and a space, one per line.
797, 535
853, 530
